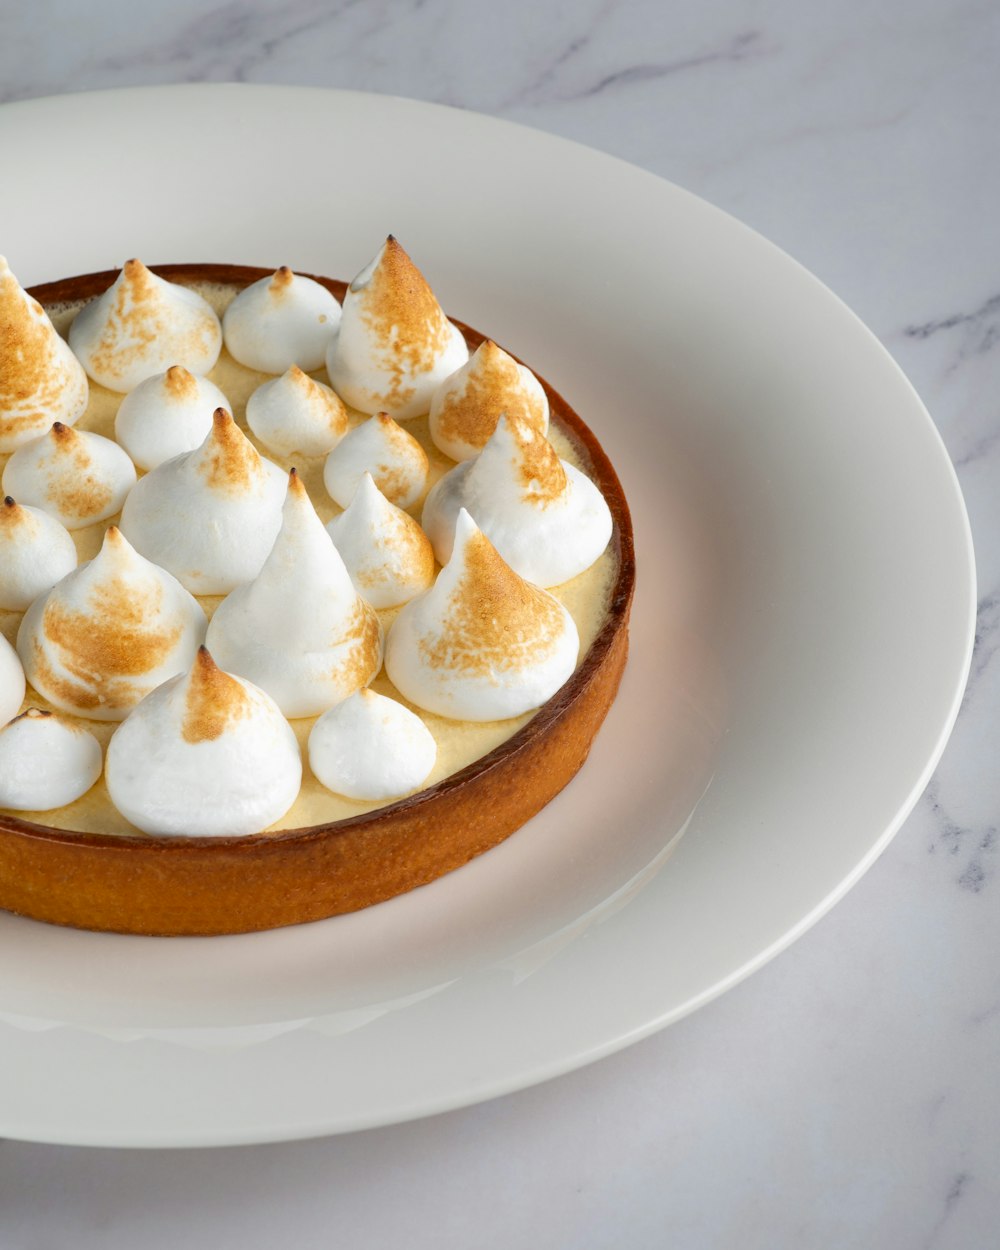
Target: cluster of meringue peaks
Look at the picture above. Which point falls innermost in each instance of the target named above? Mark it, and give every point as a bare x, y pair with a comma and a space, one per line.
204, 747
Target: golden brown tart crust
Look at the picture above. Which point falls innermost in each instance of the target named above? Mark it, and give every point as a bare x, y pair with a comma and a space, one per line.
201, 886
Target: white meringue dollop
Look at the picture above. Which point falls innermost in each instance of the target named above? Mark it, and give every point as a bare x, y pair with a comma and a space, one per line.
11, 682
388, 555
140, 326
482, 644
109, 633
299, 630
206, 754
295, 413
371, 747
168, 414
394, 345
545, 518
45, 762
209, 516
41, 381
280, 321
389, 453
75, 476
35, 553
466, 406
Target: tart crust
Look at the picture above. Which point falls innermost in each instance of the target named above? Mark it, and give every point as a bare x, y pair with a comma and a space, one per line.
205, 886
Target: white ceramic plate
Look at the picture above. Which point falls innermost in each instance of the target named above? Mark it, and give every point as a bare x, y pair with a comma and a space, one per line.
805, 584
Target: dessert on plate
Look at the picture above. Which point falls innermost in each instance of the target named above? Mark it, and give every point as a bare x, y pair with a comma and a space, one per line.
308, 594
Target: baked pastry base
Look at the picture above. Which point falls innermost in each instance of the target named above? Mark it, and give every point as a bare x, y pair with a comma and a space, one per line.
204, 886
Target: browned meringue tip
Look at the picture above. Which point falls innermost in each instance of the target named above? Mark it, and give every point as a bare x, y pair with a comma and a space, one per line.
133, 268
179, 381
221, 418
9, 501
283, 277
295, 484
113, 537
62, 433
214, 700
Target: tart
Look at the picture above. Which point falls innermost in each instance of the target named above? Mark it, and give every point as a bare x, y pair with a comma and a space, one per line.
85, 866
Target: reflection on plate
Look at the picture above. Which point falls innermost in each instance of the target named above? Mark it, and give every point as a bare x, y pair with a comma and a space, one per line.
792, 505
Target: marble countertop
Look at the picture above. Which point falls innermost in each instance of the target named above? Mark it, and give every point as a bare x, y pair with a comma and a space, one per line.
847, 1094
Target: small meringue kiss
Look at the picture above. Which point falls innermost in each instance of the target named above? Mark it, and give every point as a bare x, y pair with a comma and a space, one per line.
167, 415
299, 630
384, 449
45, 762
207, 754
546, 518
41, 381
211, 515
109, 633
388, 555
35, 552
140, 326
370, 747
75, 476
281, 321
482, 644
394, 346
11, 682
294, 413
466, 407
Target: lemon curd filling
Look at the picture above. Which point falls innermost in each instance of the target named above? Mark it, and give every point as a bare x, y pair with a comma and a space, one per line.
459, 743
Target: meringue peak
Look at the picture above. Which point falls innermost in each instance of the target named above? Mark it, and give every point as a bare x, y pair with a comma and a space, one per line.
281, 320
533, 467
467, 405
394, 344
142, 324
180, 383
379, 446
227, 461
212, 700
40, 378
296, 414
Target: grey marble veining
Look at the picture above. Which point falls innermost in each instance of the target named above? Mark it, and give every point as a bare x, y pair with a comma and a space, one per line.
847, 1095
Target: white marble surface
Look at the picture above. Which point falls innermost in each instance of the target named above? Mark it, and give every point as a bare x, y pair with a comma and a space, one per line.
847, 1095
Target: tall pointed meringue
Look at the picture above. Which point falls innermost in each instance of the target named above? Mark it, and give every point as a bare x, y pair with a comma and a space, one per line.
35, 552
546, 518
299, 630
45, 762
294, 413
482, 644
371, 747
109, 633
167, 415
394, 346
11, 682
281, 321
466, 407
388, 555
211, 515
75, 476
389, 453
207, 754
140, 326
41, 381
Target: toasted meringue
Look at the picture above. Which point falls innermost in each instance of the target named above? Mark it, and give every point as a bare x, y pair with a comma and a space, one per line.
384, 449
211, 515
11, 682
35, 552
207, 754
546, 518
466, 406
75, 476
140, 326
167, 415
388, 555
41, 381
281, 321
482, 644
294, 413
45, 762
299, 630
371, 747
109, 633
394, 346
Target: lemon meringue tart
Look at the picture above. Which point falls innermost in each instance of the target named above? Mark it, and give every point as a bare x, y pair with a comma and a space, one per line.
331, 476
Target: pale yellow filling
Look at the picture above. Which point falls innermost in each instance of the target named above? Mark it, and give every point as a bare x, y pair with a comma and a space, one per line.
459, 743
